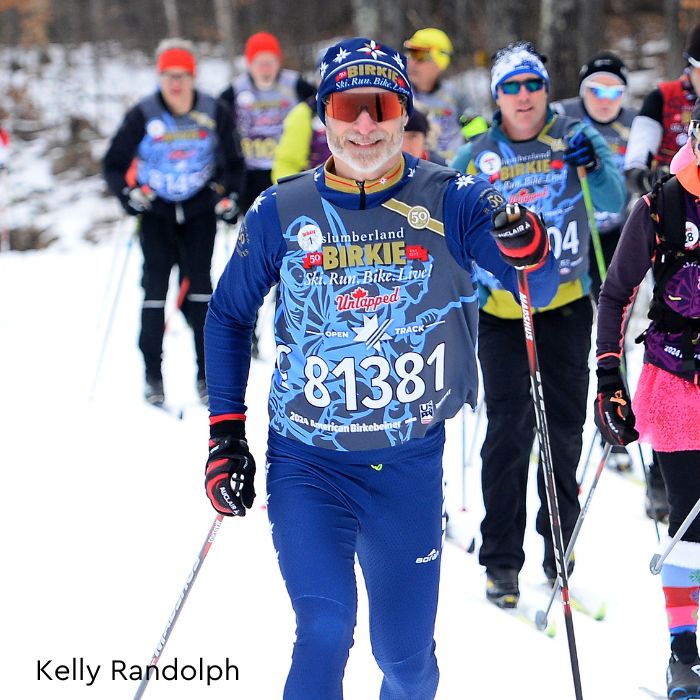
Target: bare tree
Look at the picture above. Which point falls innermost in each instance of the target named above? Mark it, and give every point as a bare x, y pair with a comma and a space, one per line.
681, 16
510, 20
223, 11
589, 34
365, 18
559, 42
394, 22
172, 17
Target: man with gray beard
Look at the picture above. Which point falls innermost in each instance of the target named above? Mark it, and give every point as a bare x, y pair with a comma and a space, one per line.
375, 329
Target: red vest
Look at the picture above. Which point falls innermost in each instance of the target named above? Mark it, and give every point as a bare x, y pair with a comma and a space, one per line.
679, 99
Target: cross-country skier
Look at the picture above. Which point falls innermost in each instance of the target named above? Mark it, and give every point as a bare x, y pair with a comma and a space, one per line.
531, 155
602, 89
429, 54
188, 170
662, 233
260, 99
661, 127
375, 329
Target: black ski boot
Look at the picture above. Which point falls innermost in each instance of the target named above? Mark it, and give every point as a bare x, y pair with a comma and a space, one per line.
153, 392
683, 674
502, 587
683, 679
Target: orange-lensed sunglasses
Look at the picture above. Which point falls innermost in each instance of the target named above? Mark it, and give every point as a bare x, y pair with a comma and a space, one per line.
381, 105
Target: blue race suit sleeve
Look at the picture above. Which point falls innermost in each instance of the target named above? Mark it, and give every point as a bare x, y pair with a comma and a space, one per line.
468, 209
250, 273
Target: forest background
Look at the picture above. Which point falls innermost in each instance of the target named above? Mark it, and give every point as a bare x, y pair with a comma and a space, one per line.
69, 69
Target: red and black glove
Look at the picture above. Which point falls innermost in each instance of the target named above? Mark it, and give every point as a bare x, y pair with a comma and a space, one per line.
230, 471
521, 236
613, 409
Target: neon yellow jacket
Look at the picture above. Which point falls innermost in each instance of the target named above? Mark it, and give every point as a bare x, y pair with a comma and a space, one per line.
292, 152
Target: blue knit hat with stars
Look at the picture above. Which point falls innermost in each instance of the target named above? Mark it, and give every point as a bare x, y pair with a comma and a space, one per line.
362, 63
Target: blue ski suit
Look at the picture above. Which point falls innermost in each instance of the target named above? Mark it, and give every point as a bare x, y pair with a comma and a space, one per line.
375, 326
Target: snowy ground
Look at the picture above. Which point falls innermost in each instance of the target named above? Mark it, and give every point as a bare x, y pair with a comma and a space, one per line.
103, 514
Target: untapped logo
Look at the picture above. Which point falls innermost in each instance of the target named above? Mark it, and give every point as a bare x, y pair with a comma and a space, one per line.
359, 299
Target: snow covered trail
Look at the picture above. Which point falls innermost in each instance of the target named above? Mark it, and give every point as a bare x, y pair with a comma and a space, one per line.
103, 512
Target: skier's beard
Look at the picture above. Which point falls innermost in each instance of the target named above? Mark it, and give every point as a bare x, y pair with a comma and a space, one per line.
344, 147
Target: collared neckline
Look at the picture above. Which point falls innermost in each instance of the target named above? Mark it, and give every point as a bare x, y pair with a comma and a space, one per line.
350, 186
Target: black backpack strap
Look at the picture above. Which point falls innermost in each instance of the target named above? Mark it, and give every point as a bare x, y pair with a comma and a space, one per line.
672, 225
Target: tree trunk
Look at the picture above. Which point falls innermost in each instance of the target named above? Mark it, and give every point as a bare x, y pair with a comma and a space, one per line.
590, 37
365, 18
559, 41
223, 11
507, 21
681, 16
172, 17
393, 23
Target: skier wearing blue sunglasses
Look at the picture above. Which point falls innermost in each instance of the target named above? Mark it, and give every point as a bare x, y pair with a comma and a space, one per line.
602, 88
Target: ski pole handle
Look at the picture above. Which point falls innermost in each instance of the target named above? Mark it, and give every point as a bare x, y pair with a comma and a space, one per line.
512, 212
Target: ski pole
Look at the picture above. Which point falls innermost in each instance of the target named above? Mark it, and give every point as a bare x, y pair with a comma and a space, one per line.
592, 225
114, 264
596, 434
5, 242
602, 271
623, 371
181, 296
468, 454
192, 576
464, 458
549, 483
658, 559
108, 327
541, 616
647, 482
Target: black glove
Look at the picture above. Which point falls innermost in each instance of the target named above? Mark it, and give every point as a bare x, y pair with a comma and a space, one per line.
613, 409
138, 200
521, 236
227, 209
230, 471
580, 152
638, 180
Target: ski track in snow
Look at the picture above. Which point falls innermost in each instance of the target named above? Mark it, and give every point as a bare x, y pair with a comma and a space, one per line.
104, 512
